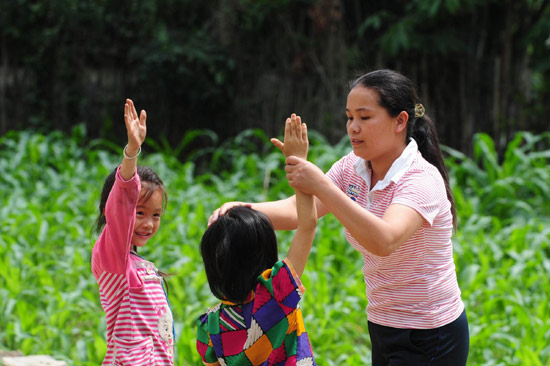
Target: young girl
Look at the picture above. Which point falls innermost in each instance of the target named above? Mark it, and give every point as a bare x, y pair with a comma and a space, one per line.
258, 321
138, 316
392, 195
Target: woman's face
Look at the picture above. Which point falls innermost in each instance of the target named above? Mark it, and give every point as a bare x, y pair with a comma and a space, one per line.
374, 134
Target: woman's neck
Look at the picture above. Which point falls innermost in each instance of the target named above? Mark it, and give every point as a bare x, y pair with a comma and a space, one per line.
380, 167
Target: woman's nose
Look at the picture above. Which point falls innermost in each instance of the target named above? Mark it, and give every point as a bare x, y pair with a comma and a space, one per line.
353, 127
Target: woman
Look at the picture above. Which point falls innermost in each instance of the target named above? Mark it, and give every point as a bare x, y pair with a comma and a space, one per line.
392, 195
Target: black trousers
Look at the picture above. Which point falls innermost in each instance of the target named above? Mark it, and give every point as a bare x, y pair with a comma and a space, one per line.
444, 346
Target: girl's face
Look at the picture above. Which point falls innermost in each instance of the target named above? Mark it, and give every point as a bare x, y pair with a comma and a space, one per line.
148, 215
374, 134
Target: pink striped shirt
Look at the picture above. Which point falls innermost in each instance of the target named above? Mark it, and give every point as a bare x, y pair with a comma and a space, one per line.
138, 316
416, 286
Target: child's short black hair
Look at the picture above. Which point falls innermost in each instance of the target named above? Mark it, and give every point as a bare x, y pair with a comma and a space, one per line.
236, 249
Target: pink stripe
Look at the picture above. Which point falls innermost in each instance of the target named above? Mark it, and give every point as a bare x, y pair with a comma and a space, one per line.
416, 286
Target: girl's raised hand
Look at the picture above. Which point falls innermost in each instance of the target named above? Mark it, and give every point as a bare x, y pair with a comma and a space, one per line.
135, 126
295, 141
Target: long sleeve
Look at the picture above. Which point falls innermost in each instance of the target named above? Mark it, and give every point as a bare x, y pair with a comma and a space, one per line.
112, 249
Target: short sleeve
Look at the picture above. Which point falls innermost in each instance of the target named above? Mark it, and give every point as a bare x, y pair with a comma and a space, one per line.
336, 173
342, 170
204, 344
423, 191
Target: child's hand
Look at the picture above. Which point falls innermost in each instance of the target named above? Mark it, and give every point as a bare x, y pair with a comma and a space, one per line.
135, 127
296, 142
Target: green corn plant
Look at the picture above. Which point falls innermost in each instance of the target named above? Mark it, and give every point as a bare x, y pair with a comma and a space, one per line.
49, 191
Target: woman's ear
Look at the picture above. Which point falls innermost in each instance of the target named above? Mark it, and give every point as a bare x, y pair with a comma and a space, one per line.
401, 122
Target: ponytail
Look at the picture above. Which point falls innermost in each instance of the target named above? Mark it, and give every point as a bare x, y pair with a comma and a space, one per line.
423, 131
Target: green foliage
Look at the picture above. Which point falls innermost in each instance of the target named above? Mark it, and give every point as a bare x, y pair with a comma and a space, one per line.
502, 247
49, 191
514, 189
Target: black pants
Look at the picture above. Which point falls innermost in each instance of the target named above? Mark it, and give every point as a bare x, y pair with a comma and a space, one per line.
444, 346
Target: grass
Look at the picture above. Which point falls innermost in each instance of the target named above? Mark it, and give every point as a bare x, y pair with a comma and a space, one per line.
49, 191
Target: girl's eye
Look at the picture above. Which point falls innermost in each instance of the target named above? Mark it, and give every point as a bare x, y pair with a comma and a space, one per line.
364, 118
139, 213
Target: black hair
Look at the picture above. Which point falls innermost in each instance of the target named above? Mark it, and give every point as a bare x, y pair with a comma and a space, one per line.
236, 249
150, 182
397, 93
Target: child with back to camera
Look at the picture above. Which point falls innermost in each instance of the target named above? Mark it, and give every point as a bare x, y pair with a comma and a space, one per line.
138, 316
258, 321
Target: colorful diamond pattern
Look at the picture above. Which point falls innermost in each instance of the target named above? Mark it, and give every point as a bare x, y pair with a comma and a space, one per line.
268, 330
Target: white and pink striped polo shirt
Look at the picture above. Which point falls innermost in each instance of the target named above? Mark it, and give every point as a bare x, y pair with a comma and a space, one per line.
416, 286
138, 316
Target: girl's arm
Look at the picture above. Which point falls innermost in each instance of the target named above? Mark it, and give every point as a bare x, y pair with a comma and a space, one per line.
296, 144
300, 246
112, 248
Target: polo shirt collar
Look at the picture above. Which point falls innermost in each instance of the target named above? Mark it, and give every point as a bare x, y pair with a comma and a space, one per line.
397, 169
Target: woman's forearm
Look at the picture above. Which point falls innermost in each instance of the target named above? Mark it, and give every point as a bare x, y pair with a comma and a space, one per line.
282, 213
380, 236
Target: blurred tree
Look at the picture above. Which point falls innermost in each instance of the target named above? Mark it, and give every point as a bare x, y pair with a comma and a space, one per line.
480, 65
472, 60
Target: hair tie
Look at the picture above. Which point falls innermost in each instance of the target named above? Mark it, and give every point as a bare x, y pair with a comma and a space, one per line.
419, 110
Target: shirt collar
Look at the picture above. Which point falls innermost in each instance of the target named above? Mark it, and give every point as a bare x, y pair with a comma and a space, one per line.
249, 298
396, 171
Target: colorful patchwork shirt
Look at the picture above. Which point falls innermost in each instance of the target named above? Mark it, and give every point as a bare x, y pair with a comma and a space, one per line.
266, 330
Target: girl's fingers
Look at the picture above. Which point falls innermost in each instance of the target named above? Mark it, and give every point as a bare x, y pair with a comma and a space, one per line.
288, 127
129, 103
143, 117
278, 144
132, 114
127, 117
298, 126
